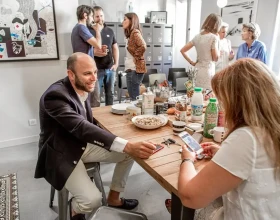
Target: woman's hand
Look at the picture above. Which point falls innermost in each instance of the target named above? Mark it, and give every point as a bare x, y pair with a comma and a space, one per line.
231, 55
210, 148
186, 154
193, 63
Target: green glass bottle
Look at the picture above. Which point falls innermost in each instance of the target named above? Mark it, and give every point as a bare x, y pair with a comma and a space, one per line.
211, 117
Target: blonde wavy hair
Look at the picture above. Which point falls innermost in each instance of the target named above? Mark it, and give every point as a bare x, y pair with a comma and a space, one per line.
250, 95
212, 23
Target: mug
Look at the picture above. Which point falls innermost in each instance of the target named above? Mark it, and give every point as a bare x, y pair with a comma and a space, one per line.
217, 133
139, 98
178, 127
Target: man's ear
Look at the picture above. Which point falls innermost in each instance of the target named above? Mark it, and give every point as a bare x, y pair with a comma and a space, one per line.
71, 75
85, 15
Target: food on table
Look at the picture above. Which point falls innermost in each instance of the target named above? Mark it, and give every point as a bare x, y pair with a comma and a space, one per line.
148, 121
171, 111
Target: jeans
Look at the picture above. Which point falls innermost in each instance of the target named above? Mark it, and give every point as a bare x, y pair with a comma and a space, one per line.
106, 77
133, 81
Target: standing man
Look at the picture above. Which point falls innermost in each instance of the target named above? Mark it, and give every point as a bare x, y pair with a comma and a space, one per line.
81, 38
106, 60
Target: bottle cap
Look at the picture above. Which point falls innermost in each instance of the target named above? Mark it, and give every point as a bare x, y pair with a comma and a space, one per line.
213, 99
197, 89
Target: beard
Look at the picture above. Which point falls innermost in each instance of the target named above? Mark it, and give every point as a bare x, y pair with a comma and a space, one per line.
81, 86
89, 23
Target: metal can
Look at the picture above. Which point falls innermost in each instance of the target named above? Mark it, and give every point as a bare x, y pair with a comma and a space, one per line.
171, 104
159, 108
165, 106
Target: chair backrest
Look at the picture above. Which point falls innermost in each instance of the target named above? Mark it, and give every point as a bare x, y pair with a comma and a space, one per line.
145, 80
160, 77
151, 71
178, 75
172, 70
122, 81
180, 87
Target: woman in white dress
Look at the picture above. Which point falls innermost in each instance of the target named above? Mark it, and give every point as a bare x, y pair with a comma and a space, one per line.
226, 52
245, 170
206, 45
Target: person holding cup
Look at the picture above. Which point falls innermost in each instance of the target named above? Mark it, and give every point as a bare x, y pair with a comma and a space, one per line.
245, 169
226, 52
107, 60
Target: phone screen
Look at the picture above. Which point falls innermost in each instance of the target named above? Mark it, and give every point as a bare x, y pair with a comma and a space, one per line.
190, 141
158, 148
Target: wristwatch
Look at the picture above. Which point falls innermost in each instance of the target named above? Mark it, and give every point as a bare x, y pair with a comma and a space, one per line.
187, 159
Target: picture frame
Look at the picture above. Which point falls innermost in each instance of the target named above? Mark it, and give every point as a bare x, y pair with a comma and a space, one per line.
158, 17
236, 13
28, 31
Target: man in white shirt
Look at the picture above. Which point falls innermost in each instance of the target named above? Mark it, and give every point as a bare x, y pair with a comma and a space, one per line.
69, 138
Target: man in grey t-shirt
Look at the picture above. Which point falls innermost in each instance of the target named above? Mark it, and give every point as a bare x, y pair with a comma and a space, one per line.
81, 38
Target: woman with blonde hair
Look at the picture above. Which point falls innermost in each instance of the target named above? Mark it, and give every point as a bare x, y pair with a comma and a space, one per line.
206, 45
226, 52
245, 169
135, 65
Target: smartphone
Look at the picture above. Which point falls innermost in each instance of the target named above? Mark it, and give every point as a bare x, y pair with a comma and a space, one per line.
191, 142
198, 137
158, 148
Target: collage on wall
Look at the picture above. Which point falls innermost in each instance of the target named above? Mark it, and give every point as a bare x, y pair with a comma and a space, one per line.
236, 13
27, 30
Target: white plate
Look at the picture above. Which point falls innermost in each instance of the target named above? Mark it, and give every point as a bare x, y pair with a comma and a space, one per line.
163, 120
120, 108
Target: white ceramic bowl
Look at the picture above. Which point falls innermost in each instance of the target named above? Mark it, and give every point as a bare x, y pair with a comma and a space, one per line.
163, 121
194, 126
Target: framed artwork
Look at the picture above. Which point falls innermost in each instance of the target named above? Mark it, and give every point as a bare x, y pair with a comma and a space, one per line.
28, 30
158, 17
236, 13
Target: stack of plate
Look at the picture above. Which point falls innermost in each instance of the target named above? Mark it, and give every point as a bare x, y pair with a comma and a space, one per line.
120, 109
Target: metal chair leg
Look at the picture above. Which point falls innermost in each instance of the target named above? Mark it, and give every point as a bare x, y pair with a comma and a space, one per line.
62, 204
120, 95
52, 197
99, 185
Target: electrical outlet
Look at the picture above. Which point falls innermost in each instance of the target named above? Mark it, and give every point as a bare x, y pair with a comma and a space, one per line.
32, 122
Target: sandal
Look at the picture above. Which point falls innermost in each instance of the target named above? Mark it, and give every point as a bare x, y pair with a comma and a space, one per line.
168, 203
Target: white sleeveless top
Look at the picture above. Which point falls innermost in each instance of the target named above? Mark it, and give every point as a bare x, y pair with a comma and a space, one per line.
258, 196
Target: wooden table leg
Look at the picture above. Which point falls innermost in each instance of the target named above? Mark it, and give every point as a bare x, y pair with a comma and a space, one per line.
178, 211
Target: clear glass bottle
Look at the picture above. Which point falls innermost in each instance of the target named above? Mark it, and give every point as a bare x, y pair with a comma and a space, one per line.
211, 117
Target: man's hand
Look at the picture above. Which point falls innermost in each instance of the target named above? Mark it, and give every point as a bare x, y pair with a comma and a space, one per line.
97, 27
99, 52
141, 149
114, 67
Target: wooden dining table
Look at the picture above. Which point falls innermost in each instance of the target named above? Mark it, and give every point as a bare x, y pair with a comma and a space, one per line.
164, 165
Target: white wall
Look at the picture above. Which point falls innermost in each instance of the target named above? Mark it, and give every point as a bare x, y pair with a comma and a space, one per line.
22, 83
266, 16
115, 10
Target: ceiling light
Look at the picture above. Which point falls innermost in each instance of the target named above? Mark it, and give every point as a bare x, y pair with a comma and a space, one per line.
221, 3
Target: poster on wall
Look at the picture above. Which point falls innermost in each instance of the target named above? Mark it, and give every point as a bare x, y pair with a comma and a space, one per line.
28, 30
237, 13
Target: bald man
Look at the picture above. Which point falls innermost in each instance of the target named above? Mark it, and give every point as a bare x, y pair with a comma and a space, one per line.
69, 138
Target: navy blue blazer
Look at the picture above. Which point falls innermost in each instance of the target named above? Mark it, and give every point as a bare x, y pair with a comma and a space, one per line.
66, 128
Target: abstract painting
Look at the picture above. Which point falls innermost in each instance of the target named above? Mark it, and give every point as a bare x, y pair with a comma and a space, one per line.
236, 13
28, 30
